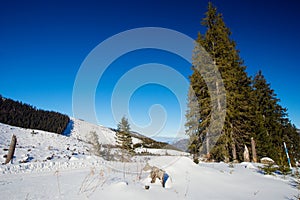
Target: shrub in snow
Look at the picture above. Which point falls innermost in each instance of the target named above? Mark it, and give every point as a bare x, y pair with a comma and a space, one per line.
297, 177
103, 151
230, 165
94, 140
196, 160
269, 169
284, 169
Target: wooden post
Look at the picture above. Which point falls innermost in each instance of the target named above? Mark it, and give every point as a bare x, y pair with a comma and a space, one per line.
11, 150
254, 156
207, 144
234, 152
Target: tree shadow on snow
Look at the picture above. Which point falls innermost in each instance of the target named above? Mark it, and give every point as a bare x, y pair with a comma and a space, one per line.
68, 130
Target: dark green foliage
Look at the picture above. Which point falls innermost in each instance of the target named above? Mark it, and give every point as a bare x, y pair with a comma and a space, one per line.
284, 169
23, 115
123, 136
152, 144
273, 127
269, 169
196, 160
147, 142
194, 147
252, 108
222, 49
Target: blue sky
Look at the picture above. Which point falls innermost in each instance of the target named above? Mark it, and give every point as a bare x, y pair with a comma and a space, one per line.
43, 44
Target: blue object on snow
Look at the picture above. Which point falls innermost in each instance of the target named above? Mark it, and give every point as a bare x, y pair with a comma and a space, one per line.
165, 178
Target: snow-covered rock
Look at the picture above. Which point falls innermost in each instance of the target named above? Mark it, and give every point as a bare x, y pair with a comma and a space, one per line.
267, 160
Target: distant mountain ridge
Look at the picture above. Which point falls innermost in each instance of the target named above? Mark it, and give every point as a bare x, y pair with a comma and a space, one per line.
178, 143
182, 144
148, 142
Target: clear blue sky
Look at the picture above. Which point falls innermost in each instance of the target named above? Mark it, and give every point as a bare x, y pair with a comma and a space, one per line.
43, 44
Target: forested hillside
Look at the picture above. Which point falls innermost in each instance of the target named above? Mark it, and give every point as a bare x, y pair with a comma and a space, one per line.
251, 106
23, 115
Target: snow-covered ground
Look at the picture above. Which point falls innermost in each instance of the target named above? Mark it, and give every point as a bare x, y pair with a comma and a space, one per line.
51, 166
161, 152
82, 130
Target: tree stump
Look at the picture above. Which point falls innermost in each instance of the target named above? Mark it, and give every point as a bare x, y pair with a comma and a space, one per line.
11, 150
254, 156
246, 155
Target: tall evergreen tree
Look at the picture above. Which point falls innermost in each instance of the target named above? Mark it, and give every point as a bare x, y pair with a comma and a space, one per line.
273, 126
222, 49
252, 108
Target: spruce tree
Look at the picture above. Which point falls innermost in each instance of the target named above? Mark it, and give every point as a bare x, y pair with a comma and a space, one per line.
123, 136
252, 108
273, 126
222, 49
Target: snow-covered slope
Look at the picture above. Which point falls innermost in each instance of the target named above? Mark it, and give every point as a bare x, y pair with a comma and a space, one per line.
36, 146
82, 130
52, 166
39, 146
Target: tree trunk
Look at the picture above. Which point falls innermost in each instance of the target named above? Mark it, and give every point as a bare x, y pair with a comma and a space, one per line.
218, 98
234, 156
207, 144
254, 156
11, 150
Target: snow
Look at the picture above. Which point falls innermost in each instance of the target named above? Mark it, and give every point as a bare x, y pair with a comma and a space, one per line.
82, 130
267, 159
161, 152
39, 146
136, 140
73, 172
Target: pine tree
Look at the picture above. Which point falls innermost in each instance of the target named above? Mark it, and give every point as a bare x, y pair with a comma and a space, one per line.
123, 136
208, 101
273, 126
252, 108
222, 49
